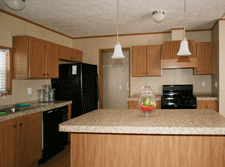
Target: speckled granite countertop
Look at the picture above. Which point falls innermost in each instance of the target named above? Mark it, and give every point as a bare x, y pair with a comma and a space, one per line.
33, 108
199, 96
131, 121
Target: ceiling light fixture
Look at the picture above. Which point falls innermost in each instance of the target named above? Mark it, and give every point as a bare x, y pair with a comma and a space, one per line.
184, 50
15, 4
158, 15
117, 54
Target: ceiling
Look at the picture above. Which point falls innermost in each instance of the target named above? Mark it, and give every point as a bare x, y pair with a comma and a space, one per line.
84, 18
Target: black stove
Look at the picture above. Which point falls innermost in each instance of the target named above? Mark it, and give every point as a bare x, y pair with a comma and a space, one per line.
178, 97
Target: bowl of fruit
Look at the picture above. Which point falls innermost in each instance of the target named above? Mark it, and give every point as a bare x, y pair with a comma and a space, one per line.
147, 100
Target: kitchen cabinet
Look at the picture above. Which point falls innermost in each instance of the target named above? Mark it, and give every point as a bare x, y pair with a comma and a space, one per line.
70, 54
52, 60
34, 58
208, 104
146, 60
205, 58
134, 105
170, 59
21, 141
8, 143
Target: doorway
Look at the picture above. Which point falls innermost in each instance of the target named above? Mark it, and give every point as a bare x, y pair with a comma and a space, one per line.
115, 80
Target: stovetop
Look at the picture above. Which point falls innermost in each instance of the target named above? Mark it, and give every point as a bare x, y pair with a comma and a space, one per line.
178, 97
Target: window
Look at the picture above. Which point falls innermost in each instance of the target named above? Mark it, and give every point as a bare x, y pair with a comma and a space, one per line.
5, 71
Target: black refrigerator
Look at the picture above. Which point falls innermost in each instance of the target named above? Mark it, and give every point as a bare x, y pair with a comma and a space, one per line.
77, 82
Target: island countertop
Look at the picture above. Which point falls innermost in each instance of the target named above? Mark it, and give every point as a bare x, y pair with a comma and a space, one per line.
161, 121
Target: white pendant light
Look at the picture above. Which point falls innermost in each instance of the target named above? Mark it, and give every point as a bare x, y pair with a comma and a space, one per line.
15, 4
184, 50
117, 54
158, 15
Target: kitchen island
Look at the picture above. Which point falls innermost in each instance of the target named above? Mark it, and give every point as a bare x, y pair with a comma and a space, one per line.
125, 138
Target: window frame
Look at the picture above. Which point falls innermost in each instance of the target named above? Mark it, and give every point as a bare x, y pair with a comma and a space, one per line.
9, 72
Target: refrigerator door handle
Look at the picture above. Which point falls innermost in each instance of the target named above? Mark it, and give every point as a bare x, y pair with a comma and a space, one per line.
98, 94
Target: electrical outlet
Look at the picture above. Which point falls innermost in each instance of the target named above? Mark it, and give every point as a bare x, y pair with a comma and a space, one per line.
120, 87
203, 84
29, 91
215, 84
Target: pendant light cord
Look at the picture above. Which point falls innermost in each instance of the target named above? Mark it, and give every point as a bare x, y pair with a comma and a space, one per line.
117, 19
184, 16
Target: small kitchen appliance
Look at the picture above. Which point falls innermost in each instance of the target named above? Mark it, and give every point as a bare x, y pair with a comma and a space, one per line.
178, 97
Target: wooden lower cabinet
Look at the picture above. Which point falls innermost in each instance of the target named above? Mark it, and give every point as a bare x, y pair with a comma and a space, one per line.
8, 143
208, 104
21, 141
134, 105
29, 139
124, 150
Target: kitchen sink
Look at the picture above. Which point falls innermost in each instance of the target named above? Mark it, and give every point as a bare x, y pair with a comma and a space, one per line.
11, 110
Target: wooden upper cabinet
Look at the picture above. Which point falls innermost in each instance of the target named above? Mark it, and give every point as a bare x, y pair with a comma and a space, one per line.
154, 60
66, 53
170, 59
77, 55
146, 60
205, 58
139, 61
52, 60
8, 143
70, 54
36, 58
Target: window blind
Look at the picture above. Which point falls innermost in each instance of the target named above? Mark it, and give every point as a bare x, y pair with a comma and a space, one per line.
3, 70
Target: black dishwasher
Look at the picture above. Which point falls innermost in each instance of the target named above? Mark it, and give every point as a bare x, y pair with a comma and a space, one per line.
54, 141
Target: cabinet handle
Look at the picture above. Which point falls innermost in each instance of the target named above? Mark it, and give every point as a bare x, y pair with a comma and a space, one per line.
143, 73
207, 106
147, 73
71, 57
48, 74
44, 74
20, 124
197, 71
14, 126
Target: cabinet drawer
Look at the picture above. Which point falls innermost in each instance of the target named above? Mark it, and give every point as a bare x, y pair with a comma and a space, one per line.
207, 104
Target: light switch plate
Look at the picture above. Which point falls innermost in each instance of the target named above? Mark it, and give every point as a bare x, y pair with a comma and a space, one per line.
215, 84
29, 91
203, 84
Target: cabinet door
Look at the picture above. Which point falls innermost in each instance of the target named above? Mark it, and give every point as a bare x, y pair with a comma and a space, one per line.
77, 55
66, 53
52, 60
154, 60
205, 58
207, 104
29, 139
138, 61
132, 105
36, 58
8, 143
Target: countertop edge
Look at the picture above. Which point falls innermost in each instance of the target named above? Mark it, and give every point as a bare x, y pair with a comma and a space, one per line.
33, 110
144, 130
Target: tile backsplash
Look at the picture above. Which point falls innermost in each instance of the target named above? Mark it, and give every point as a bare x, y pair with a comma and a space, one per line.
172, 76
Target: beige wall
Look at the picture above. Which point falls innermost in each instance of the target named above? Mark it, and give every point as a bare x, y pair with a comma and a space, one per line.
11, 26
222, 67
91, 46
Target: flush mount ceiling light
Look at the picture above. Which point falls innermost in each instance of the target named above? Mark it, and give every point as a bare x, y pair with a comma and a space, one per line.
158, 15
15, 4
184, 50
117, 54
